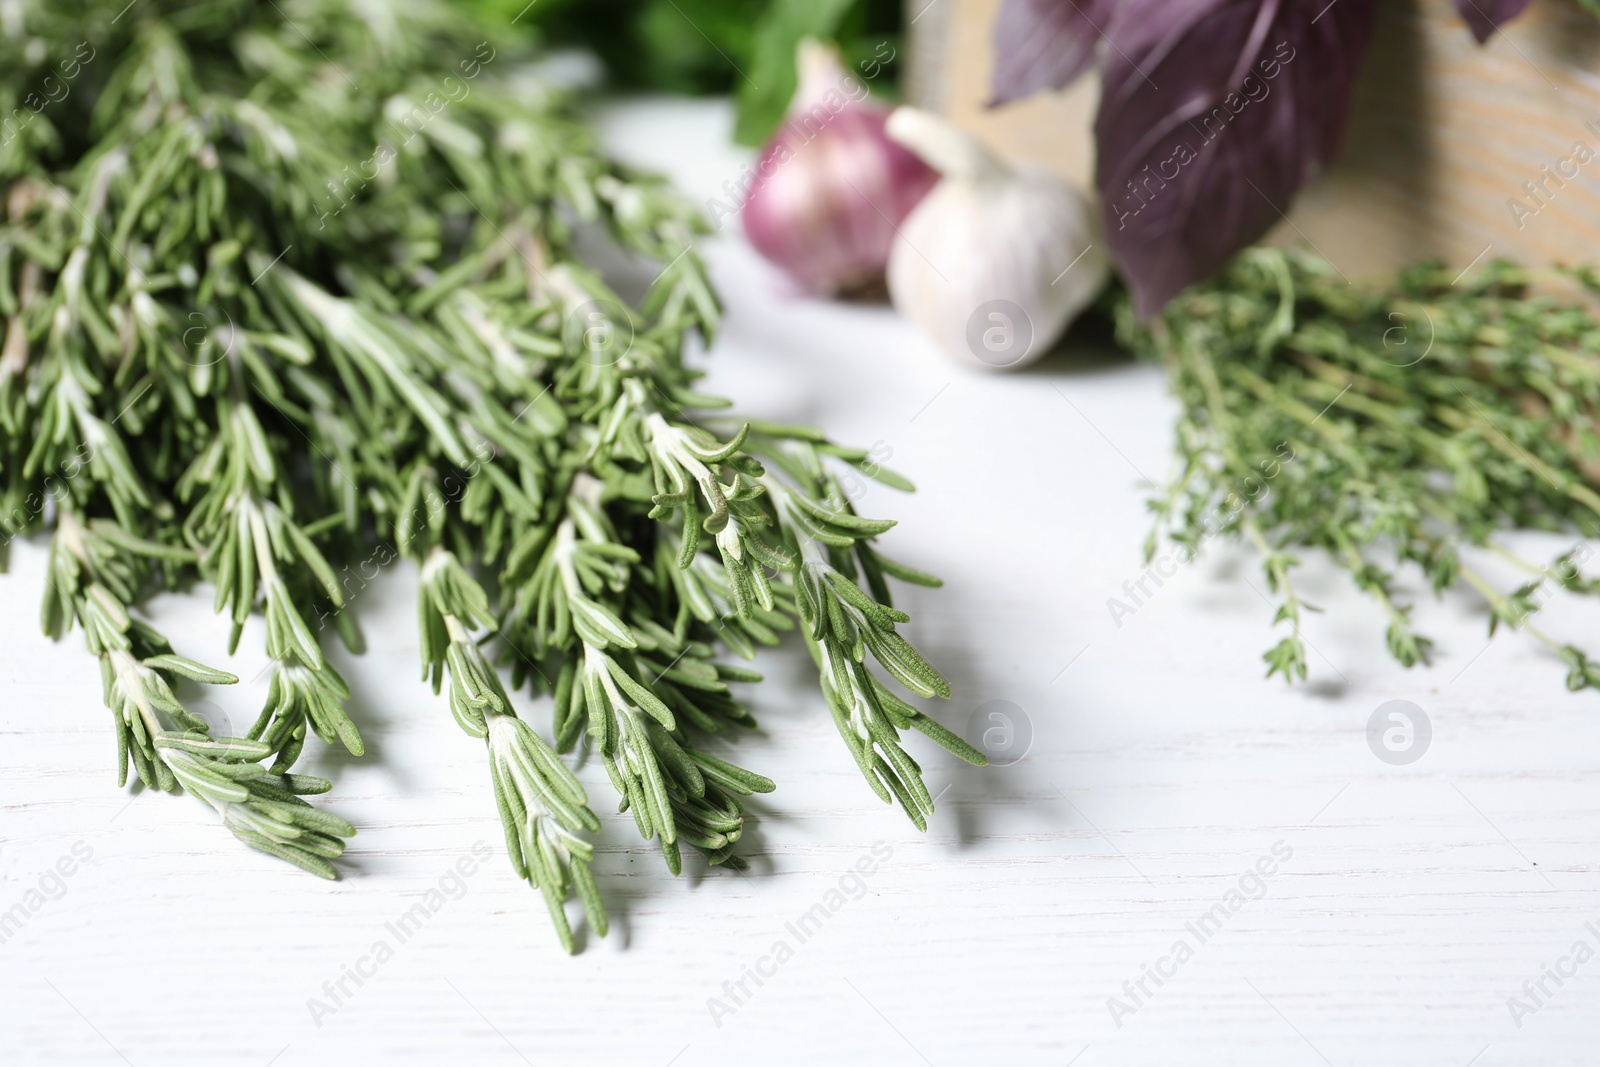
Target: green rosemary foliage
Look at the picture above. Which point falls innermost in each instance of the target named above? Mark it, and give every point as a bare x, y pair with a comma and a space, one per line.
1387, 426
291, 291
94, 571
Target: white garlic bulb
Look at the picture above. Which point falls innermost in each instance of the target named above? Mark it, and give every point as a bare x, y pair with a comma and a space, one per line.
997, 260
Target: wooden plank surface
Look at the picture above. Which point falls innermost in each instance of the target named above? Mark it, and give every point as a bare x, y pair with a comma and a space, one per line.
1404, 906
1443, 134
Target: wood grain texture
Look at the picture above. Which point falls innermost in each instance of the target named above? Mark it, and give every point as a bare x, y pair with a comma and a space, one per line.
1442, 136
1415, 899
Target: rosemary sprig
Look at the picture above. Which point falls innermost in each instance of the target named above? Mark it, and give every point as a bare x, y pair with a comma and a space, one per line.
94, 570
1387, 426
293, 290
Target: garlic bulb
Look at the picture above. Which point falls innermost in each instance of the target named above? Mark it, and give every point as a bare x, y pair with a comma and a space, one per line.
830, 187
997, 260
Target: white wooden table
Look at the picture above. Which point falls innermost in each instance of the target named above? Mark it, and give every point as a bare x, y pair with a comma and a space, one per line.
1406, 903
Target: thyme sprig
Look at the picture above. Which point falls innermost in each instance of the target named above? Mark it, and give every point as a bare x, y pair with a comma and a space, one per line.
1390, 427
293, 290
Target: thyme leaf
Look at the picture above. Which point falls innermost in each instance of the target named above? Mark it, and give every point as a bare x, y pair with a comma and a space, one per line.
1396, 428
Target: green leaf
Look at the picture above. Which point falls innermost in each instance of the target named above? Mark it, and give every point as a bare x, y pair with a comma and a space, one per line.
765, 91
171, 661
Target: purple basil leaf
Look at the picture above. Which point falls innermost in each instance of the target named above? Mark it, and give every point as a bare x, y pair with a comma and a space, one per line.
1044, 44
1213, 115
1485, 16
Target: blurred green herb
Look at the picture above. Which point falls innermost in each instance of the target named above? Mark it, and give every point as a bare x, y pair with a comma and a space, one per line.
745, 48
292, 290
1388, 427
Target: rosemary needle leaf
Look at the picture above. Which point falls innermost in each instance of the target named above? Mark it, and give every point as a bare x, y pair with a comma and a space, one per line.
274, 337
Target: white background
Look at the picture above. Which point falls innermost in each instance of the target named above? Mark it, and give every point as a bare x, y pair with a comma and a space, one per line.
1162, 766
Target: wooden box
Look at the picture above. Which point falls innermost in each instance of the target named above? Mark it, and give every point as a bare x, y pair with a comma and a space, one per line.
1454, 151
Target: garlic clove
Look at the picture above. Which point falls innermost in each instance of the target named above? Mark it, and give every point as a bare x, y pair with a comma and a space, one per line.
997, 260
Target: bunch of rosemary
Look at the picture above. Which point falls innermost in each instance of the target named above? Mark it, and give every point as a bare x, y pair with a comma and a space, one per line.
290, 288
1388, 426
